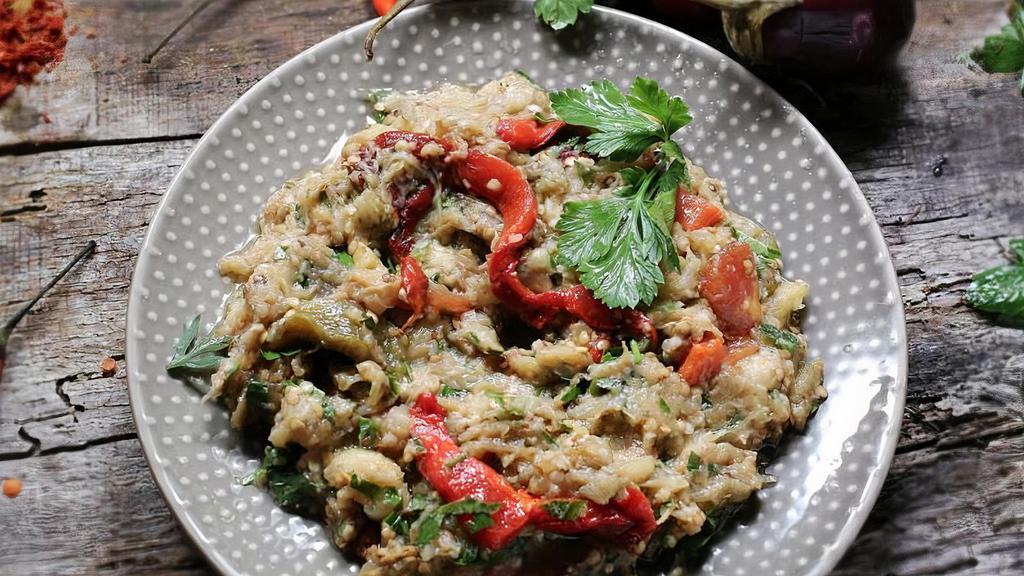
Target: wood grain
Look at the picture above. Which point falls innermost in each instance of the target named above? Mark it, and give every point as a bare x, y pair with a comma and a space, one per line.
953, 502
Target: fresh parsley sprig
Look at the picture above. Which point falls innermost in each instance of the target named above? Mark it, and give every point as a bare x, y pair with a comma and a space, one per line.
561, 13
200, 356
1000, 290
618, 243
430, 526
1004, 52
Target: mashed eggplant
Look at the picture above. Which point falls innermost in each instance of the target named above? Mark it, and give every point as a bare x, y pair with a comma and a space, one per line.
335, 348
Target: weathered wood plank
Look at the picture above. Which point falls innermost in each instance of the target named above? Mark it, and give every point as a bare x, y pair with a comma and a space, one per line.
103, 90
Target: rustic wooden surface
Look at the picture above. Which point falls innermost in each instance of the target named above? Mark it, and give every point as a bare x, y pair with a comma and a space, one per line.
87, 155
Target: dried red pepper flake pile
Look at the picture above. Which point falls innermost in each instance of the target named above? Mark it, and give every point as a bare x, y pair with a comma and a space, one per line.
32, 39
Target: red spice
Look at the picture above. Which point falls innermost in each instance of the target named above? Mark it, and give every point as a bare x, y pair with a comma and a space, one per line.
32, 39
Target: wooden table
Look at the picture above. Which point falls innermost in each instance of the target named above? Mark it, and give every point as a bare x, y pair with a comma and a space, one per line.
87, 155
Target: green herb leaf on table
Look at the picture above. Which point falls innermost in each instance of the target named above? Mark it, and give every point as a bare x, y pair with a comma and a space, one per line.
198, 355
430, 526
561, 13
1000, 290
1004, 52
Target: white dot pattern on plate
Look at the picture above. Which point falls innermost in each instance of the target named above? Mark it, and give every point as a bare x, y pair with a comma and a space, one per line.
775, 165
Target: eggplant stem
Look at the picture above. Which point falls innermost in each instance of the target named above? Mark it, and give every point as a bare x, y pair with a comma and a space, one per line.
195, 12
371, 36
5, 332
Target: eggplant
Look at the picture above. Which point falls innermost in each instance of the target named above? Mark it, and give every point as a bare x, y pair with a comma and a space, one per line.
816, 37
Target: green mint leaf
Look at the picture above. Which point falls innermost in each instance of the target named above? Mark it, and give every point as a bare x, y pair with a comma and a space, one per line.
781, 339
561, 13
566, 509
430, 525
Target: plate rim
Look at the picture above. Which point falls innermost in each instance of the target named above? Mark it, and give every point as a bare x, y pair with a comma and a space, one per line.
872, 488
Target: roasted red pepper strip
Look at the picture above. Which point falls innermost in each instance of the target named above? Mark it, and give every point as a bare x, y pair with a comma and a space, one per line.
630, 519
456, 477
500, 184
410, 211
524, 134
729, 283
389, 139
383, 6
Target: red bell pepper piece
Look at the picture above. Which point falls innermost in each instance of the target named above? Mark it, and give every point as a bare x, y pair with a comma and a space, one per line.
524, 134
629, 520
729, 283
694, 212
456, 477
703, 362
383, 6
500, 184
390, 138
410, 211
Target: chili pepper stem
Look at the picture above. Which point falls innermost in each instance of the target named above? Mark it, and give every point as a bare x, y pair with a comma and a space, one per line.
8, 327
371, 36
203, 5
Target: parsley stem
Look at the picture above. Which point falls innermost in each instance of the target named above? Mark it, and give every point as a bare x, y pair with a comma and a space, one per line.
375, 31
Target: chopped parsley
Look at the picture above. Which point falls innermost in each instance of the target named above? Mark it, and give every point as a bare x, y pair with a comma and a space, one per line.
693, 462
387, 496
430, 526
781, 339
275, 355
344, 258
566, 509
368, 433
665, 408
450, 392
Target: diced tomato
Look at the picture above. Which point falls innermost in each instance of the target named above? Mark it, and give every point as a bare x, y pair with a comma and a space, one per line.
694, 212
703, 362
729, 284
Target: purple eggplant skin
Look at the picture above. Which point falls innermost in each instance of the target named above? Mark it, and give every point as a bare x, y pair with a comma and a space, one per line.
838, 37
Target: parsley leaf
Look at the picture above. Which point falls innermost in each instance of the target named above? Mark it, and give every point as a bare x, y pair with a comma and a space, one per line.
1004, 52
781, 339
369, 434
566, 509
617, 243
430, 526
202, 355
693, 462
387, 496
1000, 290
274, 355
561, 13
292, 489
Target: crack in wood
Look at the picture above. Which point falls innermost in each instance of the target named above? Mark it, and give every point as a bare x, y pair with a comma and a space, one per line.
29, 147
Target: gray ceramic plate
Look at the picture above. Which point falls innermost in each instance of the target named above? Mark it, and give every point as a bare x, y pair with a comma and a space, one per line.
778, 168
